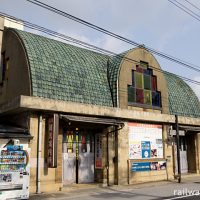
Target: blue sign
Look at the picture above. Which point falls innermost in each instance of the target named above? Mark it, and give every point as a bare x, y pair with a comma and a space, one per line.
14, 147
146, 149
140, 167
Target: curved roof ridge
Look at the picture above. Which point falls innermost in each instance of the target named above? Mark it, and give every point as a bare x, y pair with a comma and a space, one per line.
182, 99
65, 72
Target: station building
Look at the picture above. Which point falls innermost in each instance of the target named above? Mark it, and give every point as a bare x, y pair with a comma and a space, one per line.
95, 118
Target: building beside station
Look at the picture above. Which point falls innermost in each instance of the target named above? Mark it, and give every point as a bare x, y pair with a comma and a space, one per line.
95, 118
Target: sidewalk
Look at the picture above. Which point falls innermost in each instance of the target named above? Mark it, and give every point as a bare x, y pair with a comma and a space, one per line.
151, 190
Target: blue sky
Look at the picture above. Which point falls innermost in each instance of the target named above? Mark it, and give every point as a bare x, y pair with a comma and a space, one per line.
154, 23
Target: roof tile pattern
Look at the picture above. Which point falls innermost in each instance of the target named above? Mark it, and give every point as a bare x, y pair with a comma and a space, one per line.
182, 99
64, 72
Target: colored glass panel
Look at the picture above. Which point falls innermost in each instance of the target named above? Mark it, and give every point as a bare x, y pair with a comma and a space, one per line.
147, 71
133, 78
154, 83
144, 64
138, 80
140, 96
147, 97
147, 82
131, 94
156, 99
139, 69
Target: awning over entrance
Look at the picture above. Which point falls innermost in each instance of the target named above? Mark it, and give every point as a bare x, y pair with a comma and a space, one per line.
190, 128
107, 121
12, 132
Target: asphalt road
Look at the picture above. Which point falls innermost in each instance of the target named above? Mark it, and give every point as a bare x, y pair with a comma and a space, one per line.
187, 190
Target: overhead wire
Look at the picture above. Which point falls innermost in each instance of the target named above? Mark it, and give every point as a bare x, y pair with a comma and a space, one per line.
192, 5
95, 27
86, 45
185, 9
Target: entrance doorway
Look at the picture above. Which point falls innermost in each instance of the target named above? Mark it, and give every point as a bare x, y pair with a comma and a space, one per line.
183, 155
78, 156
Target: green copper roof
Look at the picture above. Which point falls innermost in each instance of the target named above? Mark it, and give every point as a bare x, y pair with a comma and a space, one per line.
114, 65
64, 72
182, 99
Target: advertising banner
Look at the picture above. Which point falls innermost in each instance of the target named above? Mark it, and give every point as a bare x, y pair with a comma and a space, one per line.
145, 141
148, 166
98, 151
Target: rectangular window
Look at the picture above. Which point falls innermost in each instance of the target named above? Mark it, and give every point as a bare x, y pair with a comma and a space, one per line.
138, 80
147, 97
133, 78
156, 99
144, 64
131, 94
139, 69
147, 82
140, 96
154, 83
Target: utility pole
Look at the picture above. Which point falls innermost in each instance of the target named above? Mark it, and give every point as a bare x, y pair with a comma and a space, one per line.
178, 150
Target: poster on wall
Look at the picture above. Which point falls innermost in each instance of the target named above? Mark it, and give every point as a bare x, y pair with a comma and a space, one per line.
148, 166
145, 141
98, 151
146, 149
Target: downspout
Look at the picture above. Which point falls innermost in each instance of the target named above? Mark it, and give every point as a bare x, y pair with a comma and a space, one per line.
39, 151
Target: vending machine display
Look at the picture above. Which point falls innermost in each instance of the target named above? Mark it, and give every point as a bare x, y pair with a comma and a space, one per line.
14, 172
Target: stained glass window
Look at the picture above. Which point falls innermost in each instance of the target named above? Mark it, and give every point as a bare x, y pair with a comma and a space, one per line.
131, 94
140, 96
138, 80
144, 87
147, 97
147, 82
154, 83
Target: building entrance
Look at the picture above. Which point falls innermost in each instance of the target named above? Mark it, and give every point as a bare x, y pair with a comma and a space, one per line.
183, 155
78, 156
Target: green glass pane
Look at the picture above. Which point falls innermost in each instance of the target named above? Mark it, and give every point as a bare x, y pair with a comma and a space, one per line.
147, 82
147, 97
138, 80
144, 64
131, 94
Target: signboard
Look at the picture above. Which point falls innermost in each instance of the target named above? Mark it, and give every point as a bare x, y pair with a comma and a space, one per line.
148, 166
140, 166
98, 151
146, 149
145, 141
52, 141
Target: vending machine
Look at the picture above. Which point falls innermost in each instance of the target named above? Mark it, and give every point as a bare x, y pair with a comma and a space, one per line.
14, 171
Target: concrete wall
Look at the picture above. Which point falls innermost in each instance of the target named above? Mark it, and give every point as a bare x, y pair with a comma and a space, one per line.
17, 81
51, 178
126, 176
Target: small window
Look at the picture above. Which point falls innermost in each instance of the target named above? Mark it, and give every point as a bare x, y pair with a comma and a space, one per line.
138, 80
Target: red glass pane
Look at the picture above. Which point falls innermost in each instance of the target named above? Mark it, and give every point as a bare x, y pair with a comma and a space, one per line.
154, 83
139, 96
139, 69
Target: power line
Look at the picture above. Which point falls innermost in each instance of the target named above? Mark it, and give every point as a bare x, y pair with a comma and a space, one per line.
95, 27
186, 10
84, 44
192, 4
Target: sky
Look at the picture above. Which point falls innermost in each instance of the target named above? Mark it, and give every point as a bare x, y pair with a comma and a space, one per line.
155, 23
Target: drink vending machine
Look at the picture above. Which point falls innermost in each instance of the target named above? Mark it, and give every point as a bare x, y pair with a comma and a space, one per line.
14, 172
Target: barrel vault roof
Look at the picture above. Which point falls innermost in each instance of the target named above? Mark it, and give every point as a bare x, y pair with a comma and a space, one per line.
65, 72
